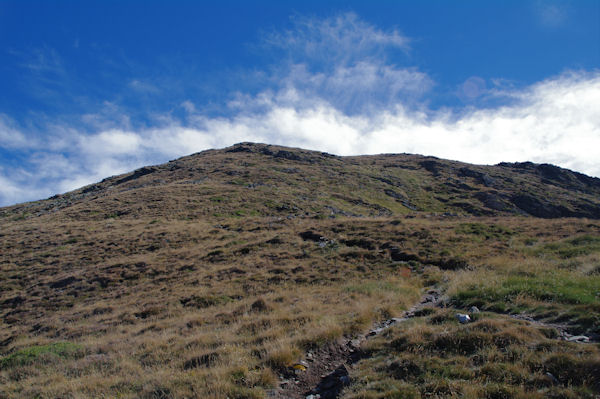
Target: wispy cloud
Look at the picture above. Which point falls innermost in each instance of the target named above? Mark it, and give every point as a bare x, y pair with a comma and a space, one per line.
143, 87
344, 61
551, 14
352, 104
344, 39
45, 75
10, 136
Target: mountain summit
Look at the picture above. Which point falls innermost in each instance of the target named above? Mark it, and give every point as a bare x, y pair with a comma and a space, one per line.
267, 180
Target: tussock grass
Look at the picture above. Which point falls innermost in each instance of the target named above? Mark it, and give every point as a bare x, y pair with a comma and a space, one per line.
215, 307
491, 357
538, 281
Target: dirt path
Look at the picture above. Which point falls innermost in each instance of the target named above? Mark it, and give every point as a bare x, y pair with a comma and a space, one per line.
563, 330
326, 371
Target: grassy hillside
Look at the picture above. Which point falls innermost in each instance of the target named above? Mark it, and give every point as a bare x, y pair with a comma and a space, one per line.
261, 180
212, 275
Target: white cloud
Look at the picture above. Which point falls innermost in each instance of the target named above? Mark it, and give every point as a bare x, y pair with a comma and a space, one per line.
10, 136
344, 61
19, 186
112, 142
343, 39
188, 106
143, 87
551, 14
356, 88
554, 121
355, 103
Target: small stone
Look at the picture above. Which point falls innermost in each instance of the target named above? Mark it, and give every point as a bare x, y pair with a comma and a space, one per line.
473, 309
578, 338
298, 367
463, 318
553, 378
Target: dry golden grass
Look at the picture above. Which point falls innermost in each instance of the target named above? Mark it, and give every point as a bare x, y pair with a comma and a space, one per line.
217, 308
195, 280
493, 357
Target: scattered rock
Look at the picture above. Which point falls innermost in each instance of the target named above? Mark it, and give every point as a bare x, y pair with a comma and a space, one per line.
239, 148
463, 318
394, 194
324, 243
431, 166
299, 367
287, 155
136, 175
481, 177
473, 309
375, 331
578, 338
540, 208
493, 201
354, 344
332, 384
552, 378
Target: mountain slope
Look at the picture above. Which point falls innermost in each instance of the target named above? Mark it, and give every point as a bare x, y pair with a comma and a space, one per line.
211, 276
263, 180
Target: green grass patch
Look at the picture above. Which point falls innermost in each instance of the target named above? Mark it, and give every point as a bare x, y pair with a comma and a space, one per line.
489, 358
555, 287
41, 353
484, 231
373, 287
573, 247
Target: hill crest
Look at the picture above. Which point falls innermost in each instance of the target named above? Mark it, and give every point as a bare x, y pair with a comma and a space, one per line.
270, 180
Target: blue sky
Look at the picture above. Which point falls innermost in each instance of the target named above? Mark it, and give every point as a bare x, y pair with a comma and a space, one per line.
96, 88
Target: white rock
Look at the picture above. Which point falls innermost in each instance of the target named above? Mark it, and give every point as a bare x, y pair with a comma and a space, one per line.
579, 338
463, 318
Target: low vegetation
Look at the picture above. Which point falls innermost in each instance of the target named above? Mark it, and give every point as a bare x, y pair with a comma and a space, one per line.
204, 278
495, 356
